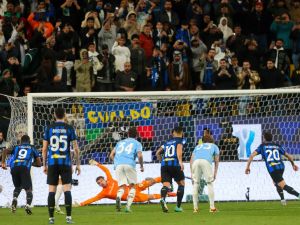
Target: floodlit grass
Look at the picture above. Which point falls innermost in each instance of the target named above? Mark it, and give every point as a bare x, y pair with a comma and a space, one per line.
233, 213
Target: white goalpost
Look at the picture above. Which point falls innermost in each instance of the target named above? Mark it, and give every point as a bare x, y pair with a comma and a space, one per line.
236, 119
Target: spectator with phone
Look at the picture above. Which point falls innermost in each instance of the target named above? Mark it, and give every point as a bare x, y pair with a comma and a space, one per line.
105, 78
248, 78
208, 66
282, 28
89, 30
107, 34
72, 13
280, 57
183, 34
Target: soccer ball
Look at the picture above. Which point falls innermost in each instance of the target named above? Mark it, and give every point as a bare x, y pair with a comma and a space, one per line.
76, 204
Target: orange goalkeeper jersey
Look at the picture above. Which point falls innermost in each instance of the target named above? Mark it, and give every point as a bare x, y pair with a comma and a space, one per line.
110, 191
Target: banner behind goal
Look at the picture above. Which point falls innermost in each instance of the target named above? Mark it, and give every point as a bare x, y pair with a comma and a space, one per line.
236, 119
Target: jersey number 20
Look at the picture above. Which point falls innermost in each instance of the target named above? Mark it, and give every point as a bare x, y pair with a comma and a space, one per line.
273, 155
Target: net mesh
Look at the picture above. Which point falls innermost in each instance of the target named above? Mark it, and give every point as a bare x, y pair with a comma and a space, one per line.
236, 122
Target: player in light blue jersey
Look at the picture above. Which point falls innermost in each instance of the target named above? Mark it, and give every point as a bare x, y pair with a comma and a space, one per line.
124, 155
272, 155
201, 164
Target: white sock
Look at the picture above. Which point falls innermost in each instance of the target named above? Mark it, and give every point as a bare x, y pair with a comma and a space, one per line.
211, 195
59, 191
195, 195
120, 193
131, 195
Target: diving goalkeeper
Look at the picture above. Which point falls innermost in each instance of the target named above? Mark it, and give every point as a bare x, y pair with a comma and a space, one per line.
110, 188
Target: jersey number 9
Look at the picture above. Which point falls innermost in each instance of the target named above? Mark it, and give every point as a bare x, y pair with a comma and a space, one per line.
22, 153
58, 143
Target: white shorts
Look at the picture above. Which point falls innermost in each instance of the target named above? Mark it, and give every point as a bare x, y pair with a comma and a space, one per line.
126, 175
202, 167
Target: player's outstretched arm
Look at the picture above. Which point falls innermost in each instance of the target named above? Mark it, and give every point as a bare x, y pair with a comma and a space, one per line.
103, 168
93, 199
158, 153
140, 158
290, 158
77, 155
247, 171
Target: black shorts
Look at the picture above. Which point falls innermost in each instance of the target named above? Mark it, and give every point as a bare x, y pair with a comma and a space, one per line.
277, 176
65, 172
21, 177
171, 172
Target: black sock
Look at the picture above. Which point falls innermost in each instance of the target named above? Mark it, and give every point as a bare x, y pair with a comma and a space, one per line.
280, 192
17, 192
51, 203
68, 202
291, 190
29, 197
163, 192
180, 193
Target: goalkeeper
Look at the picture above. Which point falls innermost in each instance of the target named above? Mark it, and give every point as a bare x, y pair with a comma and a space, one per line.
110, 188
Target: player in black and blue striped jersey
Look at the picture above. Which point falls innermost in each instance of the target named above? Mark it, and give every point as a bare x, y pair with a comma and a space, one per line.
58, 138
24, 156
170, 155
272, 155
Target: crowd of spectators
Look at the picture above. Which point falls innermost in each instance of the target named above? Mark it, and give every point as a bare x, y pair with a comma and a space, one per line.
148, 45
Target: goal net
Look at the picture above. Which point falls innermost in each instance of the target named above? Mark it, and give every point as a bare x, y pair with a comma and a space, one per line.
236, 120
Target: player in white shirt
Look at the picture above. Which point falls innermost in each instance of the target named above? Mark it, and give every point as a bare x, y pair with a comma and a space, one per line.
124, 155
201, 165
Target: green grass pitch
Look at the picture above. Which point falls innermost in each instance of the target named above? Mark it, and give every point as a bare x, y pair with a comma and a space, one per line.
233, 213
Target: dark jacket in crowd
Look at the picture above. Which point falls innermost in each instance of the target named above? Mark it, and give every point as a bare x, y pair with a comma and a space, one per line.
139, 62
295, 36
283, 59
271, 78
125, 80
224, 82
106, 76
163, 17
